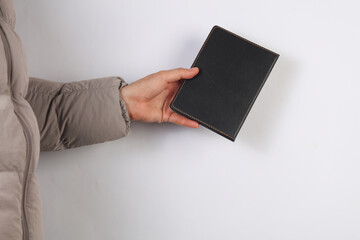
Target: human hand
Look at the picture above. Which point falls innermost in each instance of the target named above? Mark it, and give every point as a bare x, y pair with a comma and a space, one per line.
149, 98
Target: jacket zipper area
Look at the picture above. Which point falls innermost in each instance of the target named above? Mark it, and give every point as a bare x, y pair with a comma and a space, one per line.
26, 133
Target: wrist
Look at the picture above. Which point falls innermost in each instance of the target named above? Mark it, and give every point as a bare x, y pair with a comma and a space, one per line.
124, 95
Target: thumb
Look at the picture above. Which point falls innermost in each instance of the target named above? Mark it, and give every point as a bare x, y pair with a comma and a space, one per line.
180, 73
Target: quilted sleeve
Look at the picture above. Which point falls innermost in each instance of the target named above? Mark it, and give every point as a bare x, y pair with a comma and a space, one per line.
7, 12
79, 113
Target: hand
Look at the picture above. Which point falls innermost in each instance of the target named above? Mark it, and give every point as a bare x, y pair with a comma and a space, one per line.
149, 98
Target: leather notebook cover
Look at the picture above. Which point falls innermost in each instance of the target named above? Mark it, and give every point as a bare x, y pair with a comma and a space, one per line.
232, 73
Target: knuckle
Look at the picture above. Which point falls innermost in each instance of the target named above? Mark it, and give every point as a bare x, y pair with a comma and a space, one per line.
162, 74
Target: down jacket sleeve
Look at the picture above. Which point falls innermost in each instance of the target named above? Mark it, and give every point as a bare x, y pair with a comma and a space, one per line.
79, 113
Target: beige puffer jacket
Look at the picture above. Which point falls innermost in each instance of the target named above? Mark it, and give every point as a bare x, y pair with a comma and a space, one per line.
40, 115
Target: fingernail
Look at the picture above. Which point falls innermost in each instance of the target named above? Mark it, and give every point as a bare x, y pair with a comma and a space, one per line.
193, 68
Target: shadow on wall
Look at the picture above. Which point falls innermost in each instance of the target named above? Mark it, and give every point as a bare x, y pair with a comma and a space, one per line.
268, 110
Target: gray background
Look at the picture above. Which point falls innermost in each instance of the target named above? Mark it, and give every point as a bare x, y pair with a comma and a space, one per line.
293, 172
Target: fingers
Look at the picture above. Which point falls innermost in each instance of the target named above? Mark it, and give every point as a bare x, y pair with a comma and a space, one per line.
178, 74
181, 120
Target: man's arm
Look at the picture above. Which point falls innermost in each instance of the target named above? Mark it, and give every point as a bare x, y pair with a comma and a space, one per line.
78, 113
98, 110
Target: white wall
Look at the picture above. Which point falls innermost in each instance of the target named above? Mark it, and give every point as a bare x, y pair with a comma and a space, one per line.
293, 172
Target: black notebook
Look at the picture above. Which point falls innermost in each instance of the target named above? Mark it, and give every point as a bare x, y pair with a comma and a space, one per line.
232, 73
